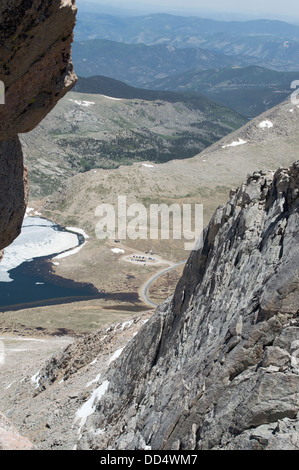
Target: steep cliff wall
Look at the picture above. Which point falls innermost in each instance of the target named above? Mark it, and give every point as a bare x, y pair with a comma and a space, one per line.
217, 365
36, 70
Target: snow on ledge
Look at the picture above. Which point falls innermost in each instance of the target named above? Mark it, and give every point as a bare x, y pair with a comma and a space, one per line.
116, 355
235, 143
87, 104
112, 98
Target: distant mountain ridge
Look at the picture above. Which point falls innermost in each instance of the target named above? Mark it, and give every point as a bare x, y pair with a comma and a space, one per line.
148, 27
248, 90
274, 44
100, 84
137, 64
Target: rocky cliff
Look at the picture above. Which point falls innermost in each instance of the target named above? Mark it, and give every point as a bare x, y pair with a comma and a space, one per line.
36, 70
216, 367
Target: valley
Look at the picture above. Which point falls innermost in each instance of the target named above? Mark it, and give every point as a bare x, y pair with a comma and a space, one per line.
149, 229
206, 178
182, 127
88, 131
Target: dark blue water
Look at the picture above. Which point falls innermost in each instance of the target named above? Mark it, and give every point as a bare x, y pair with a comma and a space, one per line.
34, 284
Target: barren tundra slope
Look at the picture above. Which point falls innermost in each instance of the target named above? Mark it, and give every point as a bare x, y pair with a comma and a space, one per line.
87, 131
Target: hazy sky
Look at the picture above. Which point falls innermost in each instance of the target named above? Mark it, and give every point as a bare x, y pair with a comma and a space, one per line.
287, 9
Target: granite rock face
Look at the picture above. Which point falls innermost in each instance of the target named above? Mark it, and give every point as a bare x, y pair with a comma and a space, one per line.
217, 366
36, 71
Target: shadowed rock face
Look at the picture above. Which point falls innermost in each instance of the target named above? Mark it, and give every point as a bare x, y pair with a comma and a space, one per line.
217, 365
13, 190
36, 70
35, 60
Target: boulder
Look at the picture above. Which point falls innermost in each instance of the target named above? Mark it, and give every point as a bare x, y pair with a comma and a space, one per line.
35, 72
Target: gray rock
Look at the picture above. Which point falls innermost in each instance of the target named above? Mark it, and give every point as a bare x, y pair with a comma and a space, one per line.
216, 366
36, 71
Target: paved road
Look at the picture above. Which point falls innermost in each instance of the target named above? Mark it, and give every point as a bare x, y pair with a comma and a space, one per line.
145, 288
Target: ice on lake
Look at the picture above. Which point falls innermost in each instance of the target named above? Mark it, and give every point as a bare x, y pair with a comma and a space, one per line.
39, 237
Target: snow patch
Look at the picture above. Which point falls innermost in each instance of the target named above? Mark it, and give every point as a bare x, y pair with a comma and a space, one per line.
70, 252
235, 143
147, 165
117, 250
28, 210
93, 381
89, 406
35, 379
87, 104
8, 386
126, 324
77, 230
111, 98
116, 355
265, 124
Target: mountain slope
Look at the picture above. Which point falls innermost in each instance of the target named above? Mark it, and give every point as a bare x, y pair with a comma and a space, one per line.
223, 350
204, 179
96, 131
214, 368
248, 90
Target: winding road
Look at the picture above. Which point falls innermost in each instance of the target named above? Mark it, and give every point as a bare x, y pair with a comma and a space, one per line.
145, 288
